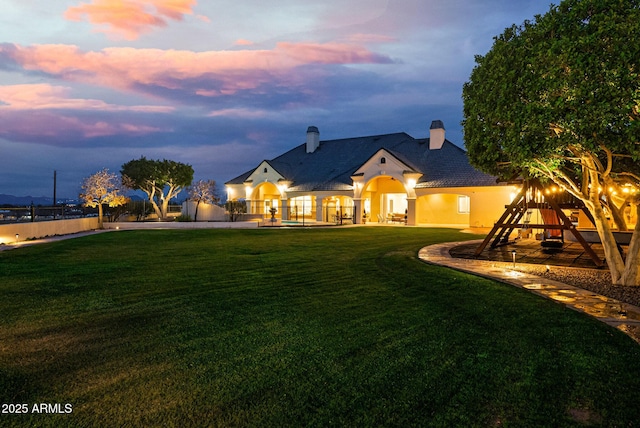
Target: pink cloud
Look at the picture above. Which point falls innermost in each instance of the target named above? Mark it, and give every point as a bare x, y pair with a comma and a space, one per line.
49, 127
243, 42
44, 121
44, 96
239, 112
219, 72
330, 53
370, 38
130, 18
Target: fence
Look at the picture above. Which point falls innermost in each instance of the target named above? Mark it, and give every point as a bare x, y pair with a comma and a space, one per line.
304, 212
34, 213
135, 210
17, 232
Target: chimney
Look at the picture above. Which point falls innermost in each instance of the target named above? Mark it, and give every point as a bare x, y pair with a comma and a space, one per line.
313, 139
436, 135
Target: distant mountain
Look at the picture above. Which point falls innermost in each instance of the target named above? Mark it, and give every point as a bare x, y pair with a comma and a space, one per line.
46, 201
24, 200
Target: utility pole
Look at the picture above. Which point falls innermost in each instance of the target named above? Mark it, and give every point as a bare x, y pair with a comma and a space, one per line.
54, 194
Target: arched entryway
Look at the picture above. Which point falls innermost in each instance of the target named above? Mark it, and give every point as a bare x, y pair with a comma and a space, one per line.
265, 197
384, 199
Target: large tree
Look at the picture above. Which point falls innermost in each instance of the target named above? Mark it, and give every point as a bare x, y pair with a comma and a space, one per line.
102, 188
559, 98
161, 180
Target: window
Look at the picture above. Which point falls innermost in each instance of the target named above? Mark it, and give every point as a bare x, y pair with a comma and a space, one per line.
463, 205
383, 160
301, 205
265, 170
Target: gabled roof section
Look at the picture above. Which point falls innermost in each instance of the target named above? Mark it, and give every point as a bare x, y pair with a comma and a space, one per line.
258, 174
330, 167
264, 172
450, 167
389, 157
334, 162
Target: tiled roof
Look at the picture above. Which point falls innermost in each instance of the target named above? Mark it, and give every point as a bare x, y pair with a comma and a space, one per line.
331, 166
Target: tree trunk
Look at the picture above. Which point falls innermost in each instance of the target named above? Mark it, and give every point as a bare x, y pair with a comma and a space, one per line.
100, 221
195, 217
631, 274
621, 274
156, 209
609, 245
165, 208
151, 194
617, 214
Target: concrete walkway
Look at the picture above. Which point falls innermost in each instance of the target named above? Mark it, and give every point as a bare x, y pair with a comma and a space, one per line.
622, 316
30, 242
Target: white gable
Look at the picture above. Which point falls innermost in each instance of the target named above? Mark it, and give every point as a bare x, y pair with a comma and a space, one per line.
264, 173
383, 163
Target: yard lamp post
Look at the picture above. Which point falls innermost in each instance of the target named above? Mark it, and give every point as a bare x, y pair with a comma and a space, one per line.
513, 255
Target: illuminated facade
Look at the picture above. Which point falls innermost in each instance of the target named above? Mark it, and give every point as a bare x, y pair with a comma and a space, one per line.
380, 179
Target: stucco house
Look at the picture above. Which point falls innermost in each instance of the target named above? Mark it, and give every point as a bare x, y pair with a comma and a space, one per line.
380, 178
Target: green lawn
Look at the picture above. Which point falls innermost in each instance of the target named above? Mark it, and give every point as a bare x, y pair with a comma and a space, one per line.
298, 327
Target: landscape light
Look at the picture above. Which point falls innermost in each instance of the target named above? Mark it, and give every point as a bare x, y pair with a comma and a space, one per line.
513, 255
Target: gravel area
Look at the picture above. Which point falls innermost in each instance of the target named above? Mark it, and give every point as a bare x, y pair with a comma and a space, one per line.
569, 266
598, 281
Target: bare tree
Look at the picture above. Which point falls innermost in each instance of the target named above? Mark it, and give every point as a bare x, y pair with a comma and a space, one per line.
203, 191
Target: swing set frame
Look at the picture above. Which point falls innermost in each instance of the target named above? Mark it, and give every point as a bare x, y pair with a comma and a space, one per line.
533, 196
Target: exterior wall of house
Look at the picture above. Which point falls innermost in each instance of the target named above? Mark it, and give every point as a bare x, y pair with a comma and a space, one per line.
440, 206
488, 204
440, 209
432, 206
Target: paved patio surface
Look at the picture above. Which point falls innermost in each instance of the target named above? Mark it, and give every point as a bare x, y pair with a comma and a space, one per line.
622, 316
530, 251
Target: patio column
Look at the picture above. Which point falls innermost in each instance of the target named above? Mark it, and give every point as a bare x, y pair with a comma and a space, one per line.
284, 209
319, 208
411, 212
357, 210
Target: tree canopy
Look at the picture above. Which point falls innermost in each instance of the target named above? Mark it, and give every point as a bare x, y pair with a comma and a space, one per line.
161, 180
559, 98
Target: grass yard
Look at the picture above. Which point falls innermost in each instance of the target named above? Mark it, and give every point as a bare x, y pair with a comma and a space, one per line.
289, 328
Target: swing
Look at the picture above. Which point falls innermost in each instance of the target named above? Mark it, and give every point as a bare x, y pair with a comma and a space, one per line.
551, 238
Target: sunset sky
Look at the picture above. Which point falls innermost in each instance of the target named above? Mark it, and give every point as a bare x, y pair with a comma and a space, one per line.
222, 85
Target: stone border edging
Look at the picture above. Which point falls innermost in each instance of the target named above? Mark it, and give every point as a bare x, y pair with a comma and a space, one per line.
623, 316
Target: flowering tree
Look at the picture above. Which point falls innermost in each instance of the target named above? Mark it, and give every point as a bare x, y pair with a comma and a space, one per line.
559, 98
101, 188
203, 191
